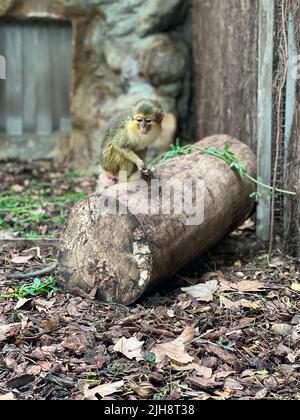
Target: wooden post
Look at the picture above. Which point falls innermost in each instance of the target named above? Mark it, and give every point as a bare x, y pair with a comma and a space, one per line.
290, 103
264, 114
225, 68
292, 164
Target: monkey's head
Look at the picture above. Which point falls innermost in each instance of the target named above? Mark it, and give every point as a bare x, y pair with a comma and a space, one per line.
147, 115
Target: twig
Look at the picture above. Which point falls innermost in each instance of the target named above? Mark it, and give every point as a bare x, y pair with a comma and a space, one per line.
41, 272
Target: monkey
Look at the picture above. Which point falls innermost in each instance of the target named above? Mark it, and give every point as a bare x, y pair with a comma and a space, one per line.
126, 139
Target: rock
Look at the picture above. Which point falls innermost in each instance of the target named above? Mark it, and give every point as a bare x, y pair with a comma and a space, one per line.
164, 60
5, 5
161, 15
118, 52
170, 89
114, 63
137, 91
125, 26
94, 40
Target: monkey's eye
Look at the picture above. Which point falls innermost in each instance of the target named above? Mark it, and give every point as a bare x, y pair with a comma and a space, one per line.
139, 120
148, 121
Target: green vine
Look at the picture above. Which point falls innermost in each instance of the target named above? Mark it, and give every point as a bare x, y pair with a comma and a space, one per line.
226, 155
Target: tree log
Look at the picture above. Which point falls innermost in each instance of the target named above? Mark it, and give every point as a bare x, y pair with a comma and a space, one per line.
123, 254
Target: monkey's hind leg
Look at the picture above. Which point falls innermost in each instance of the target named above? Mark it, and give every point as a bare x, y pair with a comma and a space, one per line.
128, 171
105, 181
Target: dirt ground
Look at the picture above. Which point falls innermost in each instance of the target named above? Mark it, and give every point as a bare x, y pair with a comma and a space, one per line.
225, 327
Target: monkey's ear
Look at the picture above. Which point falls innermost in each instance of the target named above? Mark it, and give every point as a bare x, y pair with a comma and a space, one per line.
159, 117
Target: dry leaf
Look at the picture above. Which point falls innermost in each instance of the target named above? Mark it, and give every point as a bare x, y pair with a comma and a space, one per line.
281, 329
9, 330
34, 370
292, 357
21, 259
43, 305
22, 302
202, 291
204, 383
250, 286
144, 390
295, 287
227, 286
202, 370
7, 397
130, 347
175, 350
223, 374
184, 304
261, 394
233, 385
46, 366
171, 313
227, 303
72, 310
244, 303
76, 342
222, 353
103, 390
246, 225
52, 324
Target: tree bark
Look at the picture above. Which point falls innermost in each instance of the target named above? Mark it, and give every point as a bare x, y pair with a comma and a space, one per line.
123, 254
225, 34
292, 174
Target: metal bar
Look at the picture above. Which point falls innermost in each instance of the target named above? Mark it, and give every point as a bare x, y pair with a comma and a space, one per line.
43, 81
291, 83
34, 98
29, 96
65, 34
60, 56
290, 100
264, 114
2, 83
14, 80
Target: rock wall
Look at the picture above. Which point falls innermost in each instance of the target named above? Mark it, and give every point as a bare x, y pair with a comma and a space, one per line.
123, 50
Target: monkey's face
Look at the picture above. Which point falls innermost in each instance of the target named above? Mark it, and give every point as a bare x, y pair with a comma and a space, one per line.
146, 123
143, 123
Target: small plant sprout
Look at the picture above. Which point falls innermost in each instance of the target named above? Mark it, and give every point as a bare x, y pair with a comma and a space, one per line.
36, 288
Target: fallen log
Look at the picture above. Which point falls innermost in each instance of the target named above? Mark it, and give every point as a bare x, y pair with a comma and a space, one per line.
115, 243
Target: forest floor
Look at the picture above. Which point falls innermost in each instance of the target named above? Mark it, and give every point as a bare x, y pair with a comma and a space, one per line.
234, 335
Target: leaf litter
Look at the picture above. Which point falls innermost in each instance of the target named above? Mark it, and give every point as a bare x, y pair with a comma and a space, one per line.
235, 336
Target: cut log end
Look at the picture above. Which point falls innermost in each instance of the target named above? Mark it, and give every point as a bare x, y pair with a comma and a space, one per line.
98, 252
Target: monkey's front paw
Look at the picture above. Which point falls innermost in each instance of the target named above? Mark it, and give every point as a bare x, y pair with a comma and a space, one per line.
146, 173
142, 166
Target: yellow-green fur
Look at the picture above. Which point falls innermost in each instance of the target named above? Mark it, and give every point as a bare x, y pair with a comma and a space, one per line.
124, 147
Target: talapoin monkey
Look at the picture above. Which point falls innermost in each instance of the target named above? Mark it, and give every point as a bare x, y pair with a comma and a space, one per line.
125, 142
